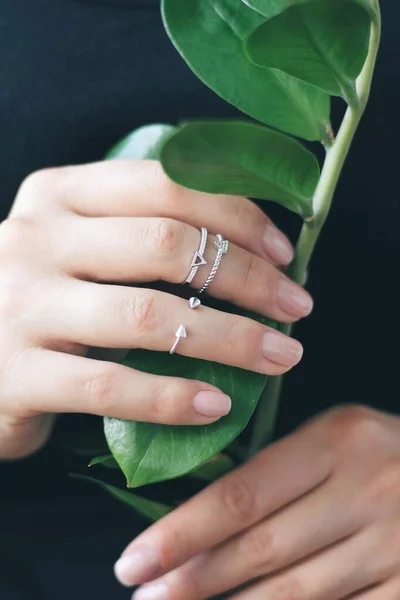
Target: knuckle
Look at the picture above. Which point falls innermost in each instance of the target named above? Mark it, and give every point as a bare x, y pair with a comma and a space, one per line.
247, 212
288, 588
249, 273
141, 312
357, 427
37, 185
171, 552
386, 485
15, 234
167, 236
101, 390
238, 498
258, 546
186, 583
170, 191
167, 404
12, 298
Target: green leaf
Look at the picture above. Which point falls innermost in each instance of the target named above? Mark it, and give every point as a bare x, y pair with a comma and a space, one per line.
271, 8
107, 460
142, 143
209, 35
324, 43
148, 508
215, 468
237, 157
148, 453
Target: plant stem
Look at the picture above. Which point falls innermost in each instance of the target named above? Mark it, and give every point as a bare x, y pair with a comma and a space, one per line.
335, 159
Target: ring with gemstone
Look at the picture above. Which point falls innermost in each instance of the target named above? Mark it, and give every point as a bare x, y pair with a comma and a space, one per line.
198, 258
222, 247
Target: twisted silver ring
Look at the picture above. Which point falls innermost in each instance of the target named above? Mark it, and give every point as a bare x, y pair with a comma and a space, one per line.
222, 247
198, 258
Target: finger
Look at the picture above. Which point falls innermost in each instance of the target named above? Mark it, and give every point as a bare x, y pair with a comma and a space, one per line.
311, 524
286, 471
390, 590
332, 575
54, 382
121, 317
163, 249
141, 189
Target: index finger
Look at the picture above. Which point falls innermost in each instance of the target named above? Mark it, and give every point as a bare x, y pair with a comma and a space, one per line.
276, 477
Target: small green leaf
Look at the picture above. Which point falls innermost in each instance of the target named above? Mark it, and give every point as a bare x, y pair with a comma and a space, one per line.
209, 35
148, 508
142, 143
324, 43
148, 453
107, 460
237, 157
215, 468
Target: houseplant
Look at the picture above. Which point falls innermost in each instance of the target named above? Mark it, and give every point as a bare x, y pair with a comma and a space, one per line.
280, 62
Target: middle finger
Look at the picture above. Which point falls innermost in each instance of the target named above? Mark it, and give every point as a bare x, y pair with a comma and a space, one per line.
141, 249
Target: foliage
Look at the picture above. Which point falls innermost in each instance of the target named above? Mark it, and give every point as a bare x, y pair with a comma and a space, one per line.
279, 62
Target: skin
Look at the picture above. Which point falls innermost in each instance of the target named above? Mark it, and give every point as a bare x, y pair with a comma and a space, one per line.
314, 517
75, 238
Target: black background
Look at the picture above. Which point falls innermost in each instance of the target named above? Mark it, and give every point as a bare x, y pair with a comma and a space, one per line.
76, 76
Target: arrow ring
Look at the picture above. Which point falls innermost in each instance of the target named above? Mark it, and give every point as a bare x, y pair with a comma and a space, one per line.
179, 335
222, 247
198, 258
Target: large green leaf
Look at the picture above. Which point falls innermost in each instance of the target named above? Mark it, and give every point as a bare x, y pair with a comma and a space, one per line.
237, 157
324, 43
148, 508
209, 35
271, 8
148, 453
144, 142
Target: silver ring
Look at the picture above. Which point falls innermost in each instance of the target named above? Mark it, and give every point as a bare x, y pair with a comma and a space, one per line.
179, 335
198, 258
194, 303
222, 247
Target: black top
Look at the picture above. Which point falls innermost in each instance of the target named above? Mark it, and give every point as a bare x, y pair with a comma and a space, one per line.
76, 76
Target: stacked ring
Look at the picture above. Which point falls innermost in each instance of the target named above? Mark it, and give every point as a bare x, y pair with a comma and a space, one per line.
198, 258
222, 247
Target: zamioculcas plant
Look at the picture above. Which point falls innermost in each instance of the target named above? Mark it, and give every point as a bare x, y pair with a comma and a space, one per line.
279, 62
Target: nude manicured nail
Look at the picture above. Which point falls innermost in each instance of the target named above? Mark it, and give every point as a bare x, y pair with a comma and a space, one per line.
212, 404
281, 350
155, 591
293, 300
137, 566
277, 246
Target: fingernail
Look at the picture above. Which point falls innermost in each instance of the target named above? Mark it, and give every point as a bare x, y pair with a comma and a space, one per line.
137, 566
155, 591
212, 404
293, 299
281, 349
277, 246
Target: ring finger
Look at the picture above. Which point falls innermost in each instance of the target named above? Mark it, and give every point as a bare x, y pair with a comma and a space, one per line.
141, 249
122, 317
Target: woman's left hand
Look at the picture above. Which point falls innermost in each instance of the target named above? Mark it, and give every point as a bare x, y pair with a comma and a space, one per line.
314, 517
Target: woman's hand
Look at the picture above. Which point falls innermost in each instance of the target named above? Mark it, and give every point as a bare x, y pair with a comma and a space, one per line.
73, 235
314, 517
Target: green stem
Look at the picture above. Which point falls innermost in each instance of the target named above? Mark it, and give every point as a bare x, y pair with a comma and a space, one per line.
335, 159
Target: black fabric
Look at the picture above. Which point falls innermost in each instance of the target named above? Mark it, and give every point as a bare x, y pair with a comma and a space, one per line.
77, 75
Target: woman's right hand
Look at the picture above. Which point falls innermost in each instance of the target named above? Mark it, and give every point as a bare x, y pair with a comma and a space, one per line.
74, 235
